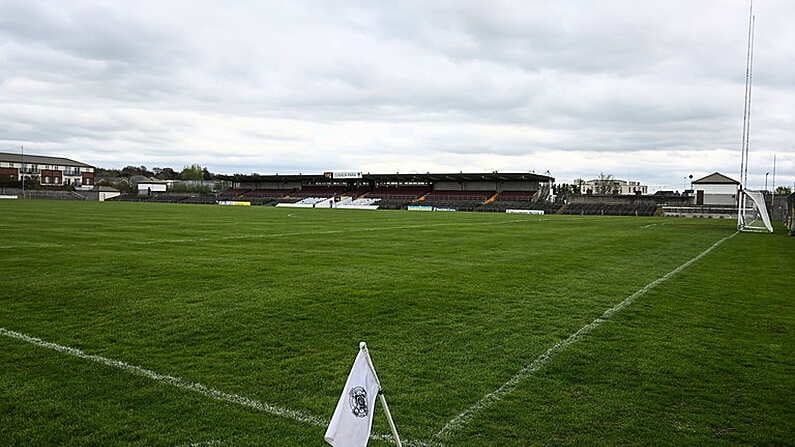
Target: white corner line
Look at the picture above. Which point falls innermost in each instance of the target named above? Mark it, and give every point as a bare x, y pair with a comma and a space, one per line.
171, 380
195, 387
467, 415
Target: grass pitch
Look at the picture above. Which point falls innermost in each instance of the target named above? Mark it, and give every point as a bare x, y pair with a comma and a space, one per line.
270, 304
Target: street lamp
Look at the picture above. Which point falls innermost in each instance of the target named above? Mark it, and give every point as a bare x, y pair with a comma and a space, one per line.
766, 174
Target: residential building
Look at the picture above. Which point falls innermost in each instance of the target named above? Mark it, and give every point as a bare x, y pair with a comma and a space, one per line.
613, 186
44, 170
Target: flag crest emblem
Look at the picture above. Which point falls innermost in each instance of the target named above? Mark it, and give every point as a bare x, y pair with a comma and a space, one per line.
357, 398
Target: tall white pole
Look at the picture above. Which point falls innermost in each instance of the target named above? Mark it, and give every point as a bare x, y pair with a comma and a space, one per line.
746, 106
750, 89
363, 346
22, 168
745, 95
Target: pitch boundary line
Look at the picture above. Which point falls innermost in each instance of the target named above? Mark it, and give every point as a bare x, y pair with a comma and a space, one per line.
192, 386
497, 395
171, 380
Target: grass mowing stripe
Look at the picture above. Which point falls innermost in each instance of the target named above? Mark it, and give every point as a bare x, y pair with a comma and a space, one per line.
495, 396
191, 386
268, 235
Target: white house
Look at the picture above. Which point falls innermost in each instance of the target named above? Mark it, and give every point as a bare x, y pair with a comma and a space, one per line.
715, 189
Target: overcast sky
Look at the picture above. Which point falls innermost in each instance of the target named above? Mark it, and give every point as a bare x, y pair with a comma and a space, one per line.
643, 90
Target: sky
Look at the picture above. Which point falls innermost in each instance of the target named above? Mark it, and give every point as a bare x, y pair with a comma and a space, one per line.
649, 91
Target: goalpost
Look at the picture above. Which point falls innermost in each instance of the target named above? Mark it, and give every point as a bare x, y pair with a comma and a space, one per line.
752, 215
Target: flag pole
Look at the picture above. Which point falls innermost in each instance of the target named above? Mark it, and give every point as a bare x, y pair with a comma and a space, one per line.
363, 346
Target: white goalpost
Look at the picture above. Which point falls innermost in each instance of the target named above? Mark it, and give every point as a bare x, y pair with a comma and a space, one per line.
752, 215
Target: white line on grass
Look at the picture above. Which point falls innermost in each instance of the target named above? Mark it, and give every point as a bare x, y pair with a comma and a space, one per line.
171, 380
495, 396
191, 386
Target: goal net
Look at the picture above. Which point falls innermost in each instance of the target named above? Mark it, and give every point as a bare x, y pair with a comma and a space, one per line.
752, 212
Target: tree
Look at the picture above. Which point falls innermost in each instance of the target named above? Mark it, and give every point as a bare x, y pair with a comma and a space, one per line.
129, 171
122, 186
167, 174
192, 172
783, 191
578, 182
101, 172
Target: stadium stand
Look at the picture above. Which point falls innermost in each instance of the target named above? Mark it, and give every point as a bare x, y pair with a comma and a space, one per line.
452, 195
230, 194
261, 193
306, 202
491, 191
517, 195
319, 191
399, 192
361, 203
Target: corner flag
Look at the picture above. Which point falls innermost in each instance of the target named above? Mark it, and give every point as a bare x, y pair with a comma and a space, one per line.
353, 418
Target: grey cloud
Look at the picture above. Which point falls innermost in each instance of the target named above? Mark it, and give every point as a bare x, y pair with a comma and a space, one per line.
267, 86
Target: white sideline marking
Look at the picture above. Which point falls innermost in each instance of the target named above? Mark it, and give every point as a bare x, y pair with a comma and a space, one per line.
196, 387
171, 380
464, 417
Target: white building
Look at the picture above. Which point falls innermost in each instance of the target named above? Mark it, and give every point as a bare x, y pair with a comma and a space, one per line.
715, 189
613, 186
149, 186
45, 170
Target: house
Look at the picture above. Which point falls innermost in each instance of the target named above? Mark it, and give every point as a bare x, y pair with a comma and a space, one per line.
715, 189
45, 170
613, 186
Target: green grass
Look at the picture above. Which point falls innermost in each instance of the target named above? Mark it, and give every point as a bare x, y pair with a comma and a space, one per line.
270, 303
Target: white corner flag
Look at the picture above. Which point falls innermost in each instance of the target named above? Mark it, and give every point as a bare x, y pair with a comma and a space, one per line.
353, 418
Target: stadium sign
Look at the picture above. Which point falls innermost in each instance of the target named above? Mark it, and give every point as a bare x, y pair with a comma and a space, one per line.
343, 174
509, 211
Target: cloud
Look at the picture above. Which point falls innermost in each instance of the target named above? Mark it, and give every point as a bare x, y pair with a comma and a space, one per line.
651, 91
